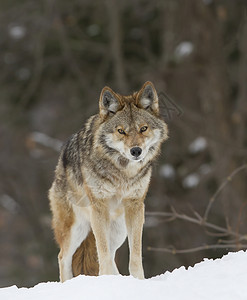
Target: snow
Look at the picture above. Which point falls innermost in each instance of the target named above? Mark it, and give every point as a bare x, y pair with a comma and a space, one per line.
191, 181
184, 49
198, 145
223, 278
17, 31
9, 203
167, 171
45, 140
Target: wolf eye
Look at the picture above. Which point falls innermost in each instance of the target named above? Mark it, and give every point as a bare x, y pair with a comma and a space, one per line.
143, 128
121, 131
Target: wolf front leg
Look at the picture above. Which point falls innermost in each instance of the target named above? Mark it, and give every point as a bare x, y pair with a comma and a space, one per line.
100, 222
134, 218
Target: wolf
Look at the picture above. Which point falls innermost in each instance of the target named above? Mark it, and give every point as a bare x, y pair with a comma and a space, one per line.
101, 180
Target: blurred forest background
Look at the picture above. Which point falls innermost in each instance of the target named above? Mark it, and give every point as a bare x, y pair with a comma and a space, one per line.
55, 58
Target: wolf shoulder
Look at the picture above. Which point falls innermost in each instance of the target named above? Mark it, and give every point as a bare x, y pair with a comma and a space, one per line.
79, 145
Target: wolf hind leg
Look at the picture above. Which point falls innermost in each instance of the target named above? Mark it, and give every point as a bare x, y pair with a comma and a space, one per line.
78, 233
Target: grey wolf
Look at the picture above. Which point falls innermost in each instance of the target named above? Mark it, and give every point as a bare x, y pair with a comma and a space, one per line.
101, 180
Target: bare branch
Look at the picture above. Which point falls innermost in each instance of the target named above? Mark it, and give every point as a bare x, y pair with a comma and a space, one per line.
196, 249
198, 220
224, 183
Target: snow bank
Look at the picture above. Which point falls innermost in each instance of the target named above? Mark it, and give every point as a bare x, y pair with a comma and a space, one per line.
224, 278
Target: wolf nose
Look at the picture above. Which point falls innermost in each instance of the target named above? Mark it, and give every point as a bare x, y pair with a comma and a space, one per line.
136, 151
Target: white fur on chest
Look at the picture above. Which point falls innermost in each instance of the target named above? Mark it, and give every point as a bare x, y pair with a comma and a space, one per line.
125, 187
132, 169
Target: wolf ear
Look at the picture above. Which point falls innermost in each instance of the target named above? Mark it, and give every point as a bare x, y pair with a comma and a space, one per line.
147, 97
108, 102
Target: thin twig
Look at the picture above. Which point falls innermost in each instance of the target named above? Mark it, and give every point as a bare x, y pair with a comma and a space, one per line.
239, 220
199, 221
196, 249
224, 183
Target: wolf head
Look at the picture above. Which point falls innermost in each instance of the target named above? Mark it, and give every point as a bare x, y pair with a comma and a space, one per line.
131, 127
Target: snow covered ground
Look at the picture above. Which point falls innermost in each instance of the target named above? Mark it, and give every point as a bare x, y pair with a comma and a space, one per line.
224, 278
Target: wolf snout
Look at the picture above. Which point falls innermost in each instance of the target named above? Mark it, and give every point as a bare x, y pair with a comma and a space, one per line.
135, 151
